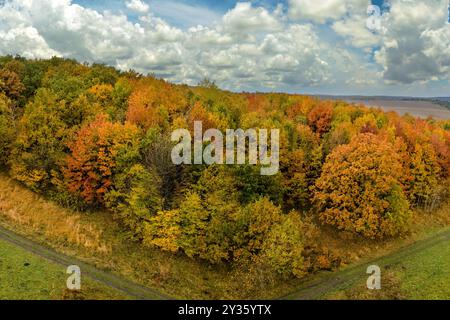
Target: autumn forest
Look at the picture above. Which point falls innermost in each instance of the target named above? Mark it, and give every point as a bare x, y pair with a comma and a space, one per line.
90, 137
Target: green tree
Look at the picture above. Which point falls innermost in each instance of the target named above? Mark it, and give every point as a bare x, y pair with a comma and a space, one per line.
283, 247
134, 198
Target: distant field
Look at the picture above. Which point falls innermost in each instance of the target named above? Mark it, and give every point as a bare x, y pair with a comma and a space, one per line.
422, 109
24, 276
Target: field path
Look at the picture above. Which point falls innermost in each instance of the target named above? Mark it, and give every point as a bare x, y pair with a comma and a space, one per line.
130, 288
316, 288
311, 289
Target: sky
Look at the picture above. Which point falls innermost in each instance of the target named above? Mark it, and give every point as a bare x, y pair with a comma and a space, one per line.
377, 47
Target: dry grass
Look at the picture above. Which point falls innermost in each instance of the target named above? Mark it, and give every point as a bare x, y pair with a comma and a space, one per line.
28, 210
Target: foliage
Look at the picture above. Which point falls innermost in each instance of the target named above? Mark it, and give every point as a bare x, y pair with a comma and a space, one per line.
135, 198
7, 129
91, 136
10, 84
319, 119
360, 191
100, 150
283, 247
39, 146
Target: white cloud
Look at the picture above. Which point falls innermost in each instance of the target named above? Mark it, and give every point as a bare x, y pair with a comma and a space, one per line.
355, 31
138, 6
415, 44
243, 18
317, 11
248, 48
25, 41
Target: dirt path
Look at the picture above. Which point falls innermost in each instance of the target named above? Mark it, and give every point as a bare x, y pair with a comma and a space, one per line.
313, 289
132, 289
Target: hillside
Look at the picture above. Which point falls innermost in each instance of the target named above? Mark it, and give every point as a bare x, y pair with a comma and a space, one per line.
145, 158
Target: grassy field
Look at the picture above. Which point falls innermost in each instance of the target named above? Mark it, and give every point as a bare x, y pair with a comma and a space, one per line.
24, 276
424, 275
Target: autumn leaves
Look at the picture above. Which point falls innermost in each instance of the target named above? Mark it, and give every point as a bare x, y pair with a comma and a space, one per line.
92, 137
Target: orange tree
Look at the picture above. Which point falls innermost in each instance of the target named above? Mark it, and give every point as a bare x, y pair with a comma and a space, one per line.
100, 150
359, 189
320, 117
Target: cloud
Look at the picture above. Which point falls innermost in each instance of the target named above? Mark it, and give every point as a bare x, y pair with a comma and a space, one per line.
355, 32
415, 44
317, 11
138, 6
250, 47
243, 18
25, 41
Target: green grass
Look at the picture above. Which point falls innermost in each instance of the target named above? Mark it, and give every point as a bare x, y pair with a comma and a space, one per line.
424, 275
24, 276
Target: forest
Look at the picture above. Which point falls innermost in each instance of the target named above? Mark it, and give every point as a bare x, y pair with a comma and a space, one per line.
90, 137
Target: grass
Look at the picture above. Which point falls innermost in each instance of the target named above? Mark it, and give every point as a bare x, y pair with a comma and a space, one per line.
24, 276
427, 274
422, 276
95, 238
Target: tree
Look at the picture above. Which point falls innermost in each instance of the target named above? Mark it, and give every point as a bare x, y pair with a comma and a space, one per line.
320, 117
341, 134
100, 150
360, 191
144, 111
208, 83
39, 147
207, 215
209, 120
424, 170
134, 198
67, 80
10, 84
295, 182
252, 185
283, 247
7, 129
152, 102
156, 153
164, 231
255, 222
120, 94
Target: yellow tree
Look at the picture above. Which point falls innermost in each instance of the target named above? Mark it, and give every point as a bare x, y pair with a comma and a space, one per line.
359, 189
